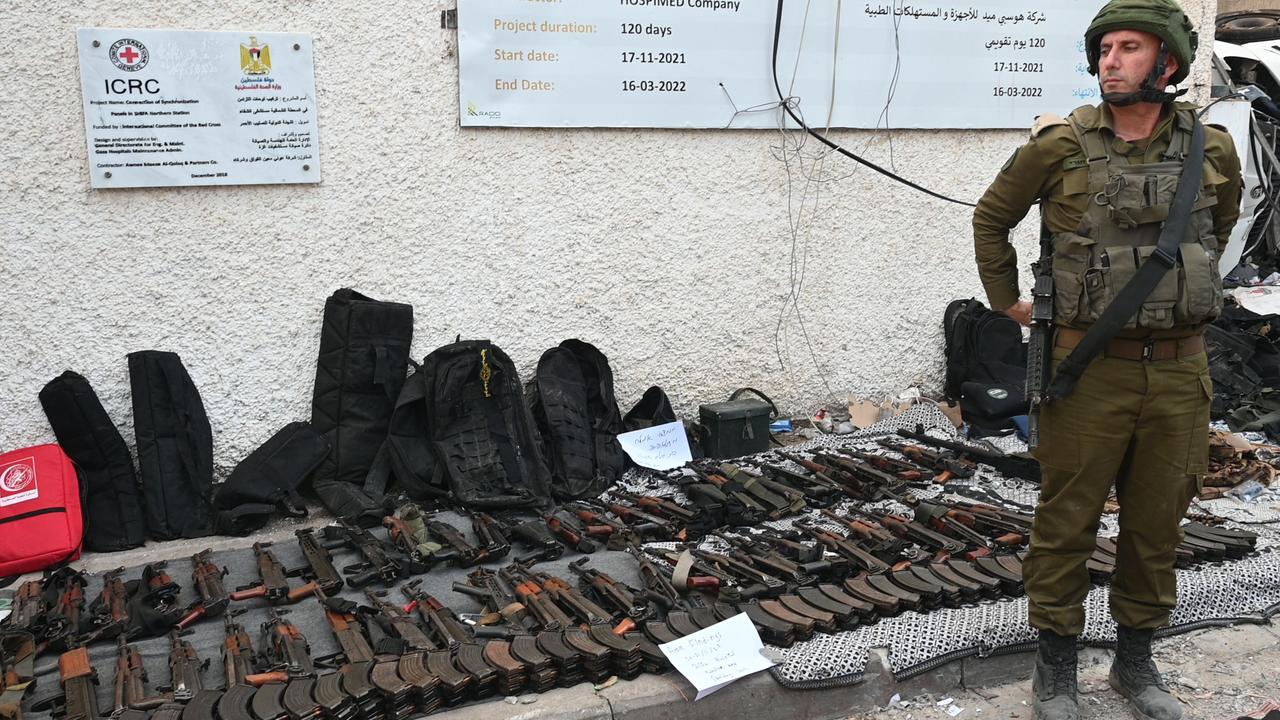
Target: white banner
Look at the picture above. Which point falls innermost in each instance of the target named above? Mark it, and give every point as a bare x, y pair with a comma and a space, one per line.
180, 107
709, 63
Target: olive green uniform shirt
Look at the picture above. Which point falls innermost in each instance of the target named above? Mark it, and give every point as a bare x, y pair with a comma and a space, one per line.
1051, 167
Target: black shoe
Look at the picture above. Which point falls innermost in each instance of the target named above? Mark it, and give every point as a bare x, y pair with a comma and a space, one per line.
1054, 681
1134, 675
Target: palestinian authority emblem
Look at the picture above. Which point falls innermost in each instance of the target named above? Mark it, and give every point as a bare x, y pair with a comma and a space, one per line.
255, 59
129, 55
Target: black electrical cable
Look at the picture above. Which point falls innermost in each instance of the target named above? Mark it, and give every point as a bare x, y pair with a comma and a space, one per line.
786, 105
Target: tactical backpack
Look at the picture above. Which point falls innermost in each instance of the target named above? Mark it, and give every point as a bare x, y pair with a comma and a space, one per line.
108, 483
461, 430
986, 364
364, 355
573, 406
175, 447
266, 482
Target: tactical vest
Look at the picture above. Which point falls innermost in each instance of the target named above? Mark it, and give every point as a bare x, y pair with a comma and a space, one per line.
1127, 204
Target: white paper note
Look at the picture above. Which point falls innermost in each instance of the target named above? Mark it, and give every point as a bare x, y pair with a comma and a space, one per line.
1263, 300
661, 447
716, 656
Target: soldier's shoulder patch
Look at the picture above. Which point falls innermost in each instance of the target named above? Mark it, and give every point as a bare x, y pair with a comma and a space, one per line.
1009, 163
1044, 121
1075, 161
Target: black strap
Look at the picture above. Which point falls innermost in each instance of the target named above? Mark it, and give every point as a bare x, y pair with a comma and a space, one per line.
1132, 295
773, 409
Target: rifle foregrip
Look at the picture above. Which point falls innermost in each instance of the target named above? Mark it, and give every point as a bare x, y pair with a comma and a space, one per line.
303, 592
256, 591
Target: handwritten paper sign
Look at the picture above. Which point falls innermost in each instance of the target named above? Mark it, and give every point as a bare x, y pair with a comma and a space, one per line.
716, 656
661, 447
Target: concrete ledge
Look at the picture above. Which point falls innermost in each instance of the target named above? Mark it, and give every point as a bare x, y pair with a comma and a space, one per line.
759, 697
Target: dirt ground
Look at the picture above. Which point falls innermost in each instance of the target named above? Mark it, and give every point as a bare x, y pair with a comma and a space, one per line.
1219, 674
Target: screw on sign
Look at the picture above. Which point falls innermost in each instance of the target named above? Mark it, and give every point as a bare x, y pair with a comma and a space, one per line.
129, 55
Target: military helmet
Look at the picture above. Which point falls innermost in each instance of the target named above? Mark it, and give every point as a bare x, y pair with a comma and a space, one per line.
1162, 18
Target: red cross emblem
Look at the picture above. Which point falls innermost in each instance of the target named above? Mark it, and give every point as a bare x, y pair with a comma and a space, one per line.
129, 55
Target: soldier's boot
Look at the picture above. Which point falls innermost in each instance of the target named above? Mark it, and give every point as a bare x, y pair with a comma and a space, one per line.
1054, 681
1134, 675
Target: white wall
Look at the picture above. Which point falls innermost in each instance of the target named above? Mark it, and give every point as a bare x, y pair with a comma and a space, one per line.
670, 250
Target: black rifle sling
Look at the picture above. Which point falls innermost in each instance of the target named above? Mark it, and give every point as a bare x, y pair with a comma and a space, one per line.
1135, 292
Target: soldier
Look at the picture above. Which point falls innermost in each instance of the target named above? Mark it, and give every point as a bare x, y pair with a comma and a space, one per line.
1105, 177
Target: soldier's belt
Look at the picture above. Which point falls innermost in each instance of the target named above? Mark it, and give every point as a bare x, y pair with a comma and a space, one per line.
1134, 349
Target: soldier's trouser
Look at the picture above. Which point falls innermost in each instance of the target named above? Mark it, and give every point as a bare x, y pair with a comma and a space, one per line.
1144, 425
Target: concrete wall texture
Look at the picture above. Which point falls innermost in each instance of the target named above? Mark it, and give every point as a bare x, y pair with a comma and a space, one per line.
670, 250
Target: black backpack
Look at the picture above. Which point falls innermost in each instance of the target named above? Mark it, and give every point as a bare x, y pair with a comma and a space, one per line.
573, 406
175, 447
364, 356
109, 486
986, 364
267, 481
461, 430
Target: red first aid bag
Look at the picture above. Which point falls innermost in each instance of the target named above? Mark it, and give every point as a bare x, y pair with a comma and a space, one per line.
40, 518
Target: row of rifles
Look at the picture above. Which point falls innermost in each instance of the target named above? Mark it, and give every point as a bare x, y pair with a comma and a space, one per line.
793, 541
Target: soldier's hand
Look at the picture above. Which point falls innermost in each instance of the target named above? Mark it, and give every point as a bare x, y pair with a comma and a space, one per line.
1020, 311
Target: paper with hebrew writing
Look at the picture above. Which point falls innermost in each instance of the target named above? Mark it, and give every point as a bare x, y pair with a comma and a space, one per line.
661, 447
716, 656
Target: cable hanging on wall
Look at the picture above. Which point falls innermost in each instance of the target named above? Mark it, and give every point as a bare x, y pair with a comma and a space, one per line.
788, 102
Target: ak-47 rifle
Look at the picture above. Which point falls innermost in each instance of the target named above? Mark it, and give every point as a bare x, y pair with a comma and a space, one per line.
624, 600
422, 658
778, 500
570, 534
534, 535
634, 517
131, 678
1009, 465
206, 577
109, 614
904, 469
451, 632
407, 529
319, 568
17, 671
162, 591
61, 626
506, 617
492, 534
1040, 343
405, 646
763, 552
29, 608
78, 679
594, 656
458, 550
274, 584
379, 561
237, 663
285, 648
184, 668
624, 652
365, 672
944, 463
798, 497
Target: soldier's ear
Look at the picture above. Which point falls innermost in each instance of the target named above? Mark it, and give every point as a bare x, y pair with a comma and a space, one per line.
1171, 68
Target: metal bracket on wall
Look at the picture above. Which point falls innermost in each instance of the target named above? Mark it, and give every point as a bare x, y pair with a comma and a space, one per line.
449, 19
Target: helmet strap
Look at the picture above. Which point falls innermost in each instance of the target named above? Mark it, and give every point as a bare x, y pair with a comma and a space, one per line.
1149, 92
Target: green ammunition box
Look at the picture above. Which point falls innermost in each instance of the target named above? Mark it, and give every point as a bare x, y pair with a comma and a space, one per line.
735, 427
